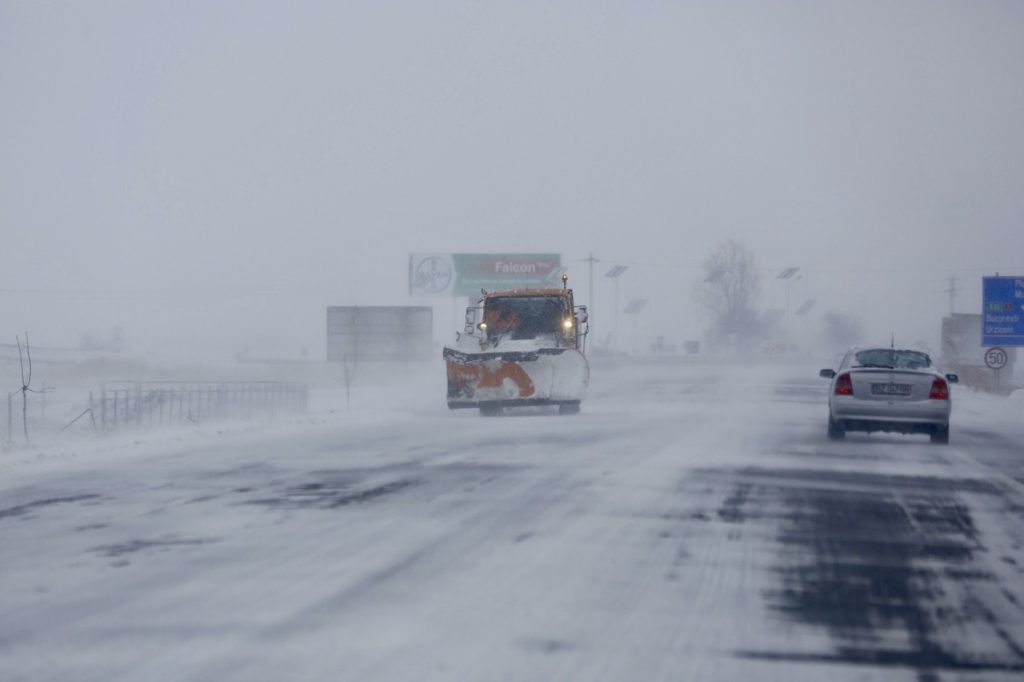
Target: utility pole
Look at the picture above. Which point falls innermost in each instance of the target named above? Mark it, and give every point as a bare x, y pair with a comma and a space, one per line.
952, 294
590, 285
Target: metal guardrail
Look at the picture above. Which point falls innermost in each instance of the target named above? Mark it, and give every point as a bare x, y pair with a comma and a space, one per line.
165, 403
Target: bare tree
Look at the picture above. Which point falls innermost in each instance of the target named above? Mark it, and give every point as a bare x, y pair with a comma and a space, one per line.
729, 290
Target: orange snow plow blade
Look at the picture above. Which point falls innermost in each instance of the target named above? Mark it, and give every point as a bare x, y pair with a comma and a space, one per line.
546, 376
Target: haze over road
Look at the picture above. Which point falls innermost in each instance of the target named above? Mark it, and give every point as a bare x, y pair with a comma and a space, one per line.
693, 522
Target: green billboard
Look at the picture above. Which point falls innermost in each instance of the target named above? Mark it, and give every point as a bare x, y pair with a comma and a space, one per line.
465, 274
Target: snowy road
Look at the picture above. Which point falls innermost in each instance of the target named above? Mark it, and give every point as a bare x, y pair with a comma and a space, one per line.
693, 523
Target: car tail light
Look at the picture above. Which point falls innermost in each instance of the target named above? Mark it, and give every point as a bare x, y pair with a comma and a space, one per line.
843, 385
940, 390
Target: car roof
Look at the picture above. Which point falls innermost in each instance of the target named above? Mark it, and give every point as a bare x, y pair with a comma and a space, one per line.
901, 349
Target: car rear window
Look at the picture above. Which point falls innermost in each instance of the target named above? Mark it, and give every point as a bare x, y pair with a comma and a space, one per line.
891, 359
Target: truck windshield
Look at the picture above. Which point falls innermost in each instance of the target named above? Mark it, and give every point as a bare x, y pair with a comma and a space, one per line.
524, 317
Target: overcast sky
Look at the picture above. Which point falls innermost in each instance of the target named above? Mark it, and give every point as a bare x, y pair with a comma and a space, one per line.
228, 169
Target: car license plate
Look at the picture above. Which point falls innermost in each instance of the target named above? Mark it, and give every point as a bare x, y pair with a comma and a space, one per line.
890, 389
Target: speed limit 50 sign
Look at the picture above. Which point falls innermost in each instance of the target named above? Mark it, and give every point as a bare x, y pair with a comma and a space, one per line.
995, 358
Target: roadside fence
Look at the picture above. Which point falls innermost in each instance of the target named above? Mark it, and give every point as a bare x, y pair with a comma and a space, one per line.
165, 403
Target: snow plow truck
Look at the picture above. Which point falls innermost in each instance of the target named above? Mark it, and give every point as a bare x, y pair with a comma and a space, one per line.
519, 348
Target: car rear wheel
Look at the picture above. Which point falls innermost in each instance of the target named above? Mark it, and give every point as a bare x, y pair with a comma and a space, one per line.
835, 431
940, 435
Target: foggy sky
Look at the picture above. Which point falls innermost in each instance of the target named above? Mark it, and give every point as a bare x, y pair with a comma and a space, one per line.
219, 172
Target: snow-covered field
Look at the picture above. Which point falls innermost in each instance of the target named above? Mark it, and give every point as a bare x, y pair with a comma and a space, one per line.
692, 523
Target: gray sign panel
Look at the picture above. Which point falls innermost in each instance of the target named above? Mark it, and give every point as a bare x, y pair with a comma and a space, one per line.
379, 333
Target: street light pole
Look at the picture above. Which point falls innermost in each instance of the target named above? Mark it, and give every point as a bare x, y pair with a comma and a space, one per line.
788, 275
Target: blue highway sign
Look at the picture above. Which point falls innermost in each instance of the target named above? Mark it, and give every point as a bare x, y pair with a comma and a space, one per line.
1002, 312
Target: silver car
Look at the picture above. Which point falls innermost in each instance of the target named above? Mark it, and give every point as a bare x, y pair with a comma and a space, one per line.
888, 389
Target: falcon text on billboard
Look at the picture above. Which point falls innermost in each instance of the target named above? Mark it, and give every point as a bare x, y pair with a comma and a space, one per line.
506, 267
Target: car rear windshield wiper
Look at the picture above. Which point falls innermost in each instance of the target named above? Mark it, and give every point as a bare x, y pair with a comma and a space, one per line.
874, 366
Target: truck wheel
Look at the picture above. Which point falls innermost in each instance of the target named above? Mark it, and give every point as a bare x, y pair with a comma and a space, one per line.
835, 431
569, 408
490, 410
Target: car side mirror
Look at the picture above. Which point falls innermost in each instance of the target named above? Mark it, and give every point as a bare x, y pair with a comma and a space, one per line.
581, 314
827, 373
953, 378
